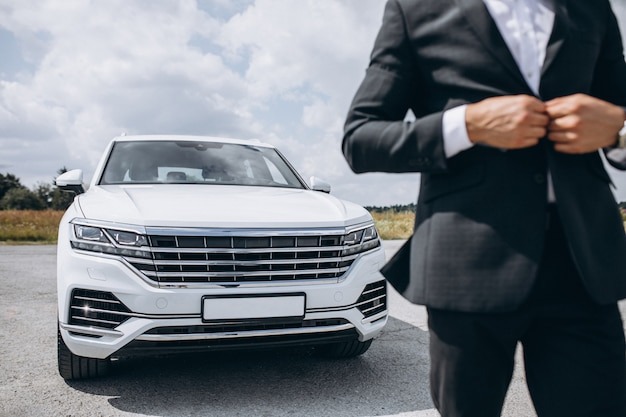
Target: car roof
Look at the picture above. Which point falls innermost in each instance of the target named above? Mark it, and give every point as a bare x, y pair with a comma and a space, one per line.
189, 138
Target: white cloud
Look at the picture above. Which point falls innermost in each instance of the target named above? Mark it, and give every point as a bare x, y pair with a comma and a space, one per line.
284, 71
280, 70
312, 54
307, 46
117, 66
76, 72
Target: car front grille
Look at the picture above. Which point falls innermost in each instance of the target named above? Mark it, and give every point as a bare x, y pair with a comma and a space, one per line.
373, 300
232, 259
97, 309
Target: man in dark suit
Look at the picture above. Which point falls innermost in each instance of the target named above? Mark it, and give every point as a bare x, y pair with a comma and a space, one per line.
517, 235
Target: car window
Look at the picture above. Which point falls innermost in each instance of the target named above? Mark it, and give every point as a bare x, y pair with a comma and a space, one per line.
185, 162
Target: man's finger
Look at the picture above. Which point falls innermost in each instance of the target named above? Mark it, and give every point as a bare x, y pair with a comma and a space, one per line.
539, 119
562, 137
560, 107
563, 123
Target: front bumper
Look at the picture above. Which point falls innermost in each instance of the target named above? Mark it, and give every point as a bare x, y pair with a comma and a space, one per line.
160, 320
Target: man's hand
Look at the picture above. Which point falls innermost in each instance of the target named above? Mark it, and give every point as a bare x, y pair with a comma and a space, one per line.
507, 122
582, 124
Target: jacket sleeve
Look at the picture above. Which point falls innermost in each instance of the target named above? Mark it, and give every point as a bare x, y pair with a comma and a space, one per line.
610, 79
376, 136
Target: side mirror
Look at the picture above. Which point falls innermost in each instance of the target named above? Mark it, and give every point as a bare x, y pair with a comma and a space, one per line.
71, 181
319, 185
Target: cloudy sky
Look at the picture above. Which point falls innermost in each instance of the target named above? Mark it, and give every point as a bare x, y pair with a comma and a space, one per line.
75, 73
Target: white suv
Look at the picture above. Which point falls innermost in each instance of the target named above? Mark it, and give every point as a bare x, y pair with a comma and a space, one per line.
198, 243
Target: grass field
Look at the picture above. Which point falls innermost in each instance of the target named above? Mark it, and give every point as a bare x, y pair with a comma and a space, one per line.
394, 225
28, 226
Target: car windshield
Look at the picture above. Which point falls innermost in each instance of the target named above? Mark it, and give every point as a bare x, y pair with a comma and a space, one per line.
186, 162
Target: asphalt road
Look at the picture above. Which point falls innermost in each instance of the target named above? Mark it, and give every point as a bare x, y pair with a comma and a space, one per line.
391, 379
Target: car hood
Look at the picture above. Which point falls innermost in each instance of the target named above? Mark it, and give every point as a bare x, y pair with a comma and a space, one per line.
223, 206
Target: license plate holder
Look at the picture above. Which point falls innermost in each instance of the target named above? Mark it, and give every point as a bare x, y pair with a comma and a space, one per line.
253, 307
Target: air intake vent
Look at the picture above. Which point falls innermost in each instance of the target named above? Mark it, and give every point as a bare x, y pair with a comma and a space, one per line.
97, 309
373, 300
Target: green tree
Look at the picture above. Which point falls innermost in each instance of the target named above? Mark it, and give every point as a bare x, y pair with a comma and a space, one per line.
44, 193
9, 182
21, 198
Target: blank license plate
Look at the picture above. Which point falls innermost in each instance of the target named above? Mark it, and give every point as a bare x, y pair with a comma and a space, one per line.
252, 307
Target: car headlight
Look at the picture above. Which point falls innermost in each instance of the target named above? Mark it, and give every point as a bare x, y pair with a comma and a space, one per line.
360, 240
110, 241
89, 233
128, 238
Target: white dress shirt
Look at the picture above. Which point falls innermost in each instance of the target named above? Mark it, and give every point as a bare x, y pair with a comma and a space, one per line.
525, 26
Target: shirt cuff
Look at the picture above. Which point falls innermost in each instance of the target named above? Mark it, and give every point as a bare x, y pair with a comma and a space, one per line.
455, 137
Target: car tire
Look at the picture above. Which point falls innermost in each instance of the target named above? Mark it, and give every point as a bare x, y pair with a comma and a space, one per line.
77, 367
344, 350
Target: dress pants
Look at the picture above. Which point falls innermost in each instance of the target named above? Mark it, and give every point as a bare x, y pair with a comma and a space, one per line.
574, 350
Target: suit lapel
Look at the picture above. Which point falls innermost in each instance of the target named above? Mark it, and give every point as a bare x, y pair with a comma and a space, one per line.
485, 27
559, 33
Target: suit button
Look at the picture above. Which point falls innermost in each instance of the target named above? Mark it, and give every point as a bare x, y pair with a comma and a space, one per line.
539, 178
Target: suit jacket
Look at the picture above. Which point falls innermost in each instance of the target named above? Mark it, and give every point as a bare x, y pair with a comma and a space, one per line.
481, 214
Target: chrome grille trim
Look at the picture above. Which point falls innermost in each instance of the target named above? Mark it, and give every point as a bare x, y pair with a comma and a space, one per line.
224, 232
78, 297
139, 315
365, 302
370, 300
367, 311
375, 317
235, 335
243, 262
234, 274
139, 261
373, 300
252, 250
90, 330
241, 284
100, 321
199, 257
96, 308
